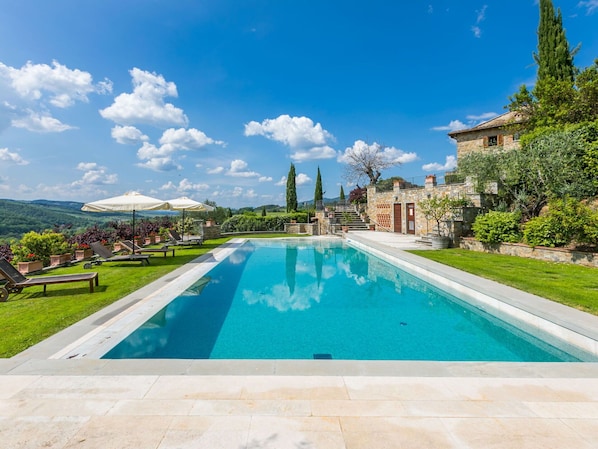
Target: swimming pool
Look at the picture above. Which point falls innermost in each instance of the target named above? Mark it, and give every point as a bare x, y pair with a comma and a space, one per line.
323, 299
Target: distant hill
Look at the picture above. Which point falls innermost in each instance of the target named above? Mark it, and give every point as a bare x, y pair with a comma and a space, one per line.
20, 217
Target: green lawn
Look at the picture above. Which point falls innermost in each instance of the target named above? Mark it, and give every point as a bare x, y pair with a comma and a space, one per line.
573, 285
29, 317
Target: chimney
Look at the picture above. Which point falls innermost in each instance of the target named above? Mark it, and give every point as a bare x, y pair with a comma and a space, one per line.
430, 181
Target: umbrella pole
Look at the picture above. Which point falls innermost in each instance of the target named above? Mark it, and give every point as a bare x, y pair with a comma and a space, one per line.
183, 224
134, 243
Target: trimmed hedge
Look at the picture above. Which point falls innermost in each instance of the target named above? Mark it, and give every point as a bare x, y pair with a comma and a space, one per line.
246, 223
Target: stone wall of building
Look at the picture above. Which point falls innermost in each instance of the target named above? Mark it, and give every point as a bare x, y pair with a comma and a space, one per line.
518, 249
474, 141
381, 205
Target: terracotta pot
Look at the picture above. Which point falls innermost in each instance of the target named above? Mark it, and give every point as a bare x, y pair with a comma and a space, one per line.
30, 267
82, 254
60, 259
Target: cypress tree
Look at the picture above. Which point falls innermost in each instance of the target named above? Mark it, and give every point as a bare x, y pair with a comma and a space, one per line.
319, 194
263, 211
291, 190
342, 194
554, 58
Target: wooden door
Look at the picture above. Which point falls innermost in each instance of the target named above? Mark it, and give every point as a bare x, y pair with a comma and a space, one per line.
410, 218
398, 218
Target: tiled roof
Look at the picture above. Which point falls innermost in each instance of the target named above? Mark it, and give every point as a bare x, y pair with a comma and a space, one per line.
496, 122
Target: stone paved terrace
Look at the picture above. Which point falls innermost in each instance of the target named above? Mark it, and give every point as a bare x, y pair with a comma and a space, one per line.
326, 404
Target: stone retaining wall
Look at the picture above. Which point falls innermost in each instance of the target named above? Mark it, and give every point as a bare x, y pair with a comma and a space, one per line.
519, 249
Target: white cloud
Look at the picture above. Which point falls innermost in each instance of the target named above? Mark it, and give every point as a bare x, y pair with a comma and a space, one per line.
590, 5
94, 175
482, 116
265, 179
238, 168
215, 171
324, 152
146, 103
237, 191
449, 164
186, 139
9, 156
128, 135
298, 133
33, 121
187, 186
389, 154
454, 125
64, 86
302, 179
250, 193
164, 163
172, 140
480, 17
282, 182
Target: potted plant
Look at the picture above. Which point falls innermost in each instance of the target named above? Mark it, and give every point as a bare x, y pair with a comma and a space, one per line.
28, 262
345, 221
83, 251
439, 209
61, 252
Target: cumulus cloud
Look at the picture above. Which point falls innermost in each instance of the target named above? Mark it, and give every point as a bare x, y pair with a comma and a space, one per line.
146, 103
302, 179
449, 164
165, 163
9, 156
95, 175
238, 169
187, 139
184, 186
172, 140
472, 120
282, 182
215, 170
324, 152
128, 135
32, 121
590, 5
388, 154
454, 125
307, 140
63, 85
265, 179
30, 92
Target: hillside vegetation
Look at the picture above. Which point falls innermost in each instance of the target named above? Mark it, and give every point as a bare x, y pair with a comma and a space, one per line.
20, 217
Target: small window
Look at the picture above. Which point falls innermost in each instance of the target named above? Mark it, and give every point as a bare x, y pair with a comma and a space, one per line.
516, 137
492, 141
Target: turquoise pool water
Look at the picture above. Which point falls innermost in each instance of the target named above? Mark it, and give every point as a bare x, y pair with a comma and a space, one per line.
323, 299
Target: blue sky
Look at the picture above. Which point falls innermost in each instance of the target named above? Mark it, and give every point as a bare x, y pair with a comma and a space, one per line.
215, 99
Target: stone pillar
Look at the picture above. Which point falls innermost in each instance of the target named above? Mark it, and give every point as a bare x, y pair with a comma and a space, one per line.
430, 182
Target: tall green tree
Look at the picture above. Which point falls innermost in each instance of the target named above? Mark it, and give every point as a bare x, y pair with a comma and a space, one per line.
291, 190
550, 102
342, 194
318, 194
554, 58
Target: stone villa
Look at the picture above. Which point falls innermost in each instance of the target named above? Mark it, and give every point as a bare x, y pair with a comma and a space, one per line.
397, 210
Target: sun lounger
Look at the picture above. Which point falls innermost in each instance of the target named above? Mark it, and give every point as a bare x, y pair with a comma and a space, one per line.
134, 249
187, 240
105, 255
16, 282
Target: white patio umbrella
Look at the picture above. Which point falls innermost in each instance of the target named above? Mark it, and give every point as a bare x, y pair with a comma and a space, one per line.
183, 203
129, 202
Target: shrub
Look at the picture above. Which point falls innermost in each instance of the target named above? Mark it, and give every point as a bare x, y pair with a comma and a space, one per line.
498, 227
40, 246
6, 252
567, 221
247, 223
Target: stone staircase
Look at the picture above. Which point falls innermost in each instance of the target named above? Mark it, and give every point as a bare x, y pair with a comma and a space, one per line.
353, 222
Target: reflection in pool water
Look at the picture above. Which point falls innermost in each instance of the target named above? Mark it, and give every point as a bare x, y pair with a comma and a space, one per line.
302, 299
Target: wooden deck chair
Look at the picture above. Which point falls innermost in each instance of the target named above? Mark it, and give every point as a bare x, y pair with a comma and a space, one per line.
134, 249
105, 255
16, 282
187, 240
